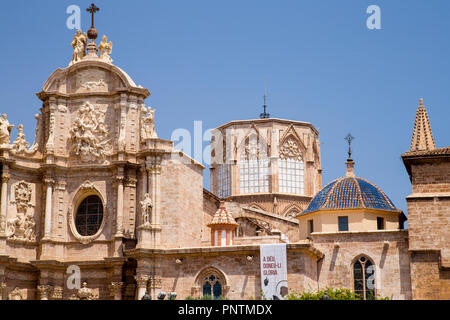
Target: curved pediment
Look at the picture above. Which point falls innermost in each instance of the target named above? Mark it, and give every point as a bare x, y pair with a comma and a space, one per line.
90, 76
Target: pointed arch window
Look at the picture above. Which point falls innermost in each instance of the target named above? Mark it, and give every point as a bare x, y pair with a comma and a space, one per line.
364, 278
291, 175
254, 167
212, 283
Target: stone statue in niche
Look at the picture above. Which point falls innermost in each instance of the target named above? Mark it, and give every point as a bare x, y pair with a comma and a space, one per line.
147, 207
88, 133
79, 47
20, 144
105, 49
5, 131
22, 226
148, 124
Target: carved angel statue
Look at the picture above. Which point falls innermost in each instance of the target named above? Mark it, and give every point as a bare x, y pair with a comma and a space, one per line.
147, 207
20, 144
105, 49
5, 131
79, 46
148, 124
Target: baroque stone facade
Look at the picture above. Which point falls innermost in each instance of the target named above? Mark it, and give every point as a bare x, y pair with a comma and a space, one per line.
100, 196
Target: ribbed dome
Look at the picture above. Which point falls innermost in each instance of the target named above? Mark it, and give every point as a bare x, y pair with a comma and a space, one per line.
350, 193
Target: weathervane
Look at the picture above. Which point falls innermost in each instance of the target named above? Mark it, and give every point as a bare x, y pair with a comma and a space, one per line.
349, 139
92, 33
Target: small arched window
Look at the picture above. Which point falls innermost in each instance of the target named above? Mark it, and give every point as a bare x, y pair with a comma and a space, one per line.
89, 216
212, 287
364, 278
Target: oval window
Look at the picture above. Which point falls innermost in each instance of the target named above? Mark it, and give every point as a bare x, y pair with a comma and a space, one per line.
89, 216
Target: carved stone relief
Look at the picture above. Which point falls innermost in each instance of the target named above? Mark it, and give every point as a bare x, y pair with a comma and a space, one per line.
22, 226
91, 80
88, 133
16, 294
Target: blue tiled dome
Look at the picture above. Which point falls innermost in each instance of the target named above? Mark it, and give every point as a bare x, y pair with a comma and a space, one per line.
350, 193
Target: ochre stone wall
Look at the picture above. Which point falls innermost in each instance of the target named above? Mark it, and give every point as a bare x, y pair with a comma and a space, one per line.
242, 276
391, 261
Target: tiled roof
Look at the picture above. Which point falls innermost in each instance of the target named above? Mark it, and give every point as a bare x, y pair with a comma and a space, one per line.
350, 193
222, 217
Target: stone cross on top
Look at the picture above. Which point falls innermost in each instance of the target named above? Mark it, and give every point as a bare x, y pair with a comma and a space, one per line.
92, 32
92, 9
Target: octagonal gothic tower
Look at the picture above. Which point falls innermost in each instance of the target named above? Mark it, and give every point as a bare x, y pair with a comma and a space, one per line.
268, 164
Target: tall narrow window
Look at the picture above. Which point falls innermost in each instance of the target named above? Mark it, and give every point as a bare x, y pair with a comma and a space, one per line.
310, 226
224, 178
343, 223
364, 278
254, 168
290, 168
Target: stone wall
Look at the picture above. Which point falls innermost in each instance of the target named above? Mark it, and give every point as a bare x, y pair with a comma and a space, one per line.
387, 249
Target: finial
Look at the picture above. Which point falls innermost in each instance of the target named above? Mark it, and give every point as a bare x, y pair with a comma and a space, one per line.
264, 115
421, 102
350, 163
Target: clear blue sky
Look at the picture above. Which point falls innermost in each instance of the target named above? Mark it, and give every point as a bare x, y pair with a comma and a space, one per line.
207, 60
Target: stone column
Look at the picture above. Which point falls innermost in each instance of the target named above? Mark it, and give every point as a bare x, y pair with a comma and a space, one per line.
119, 217
4, 204
48, 208
142, 281
2, 289
44, 292
115, 289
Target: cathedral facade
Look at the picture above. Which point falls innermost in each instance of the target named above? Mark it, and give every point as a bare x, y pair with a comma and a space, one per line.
99, 193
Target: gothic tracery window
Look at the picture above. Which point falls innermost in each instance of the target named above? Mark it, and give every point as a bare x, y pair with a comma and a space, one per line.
254, 167
89, 216
364, 278
290, 168
212, 283
212, 287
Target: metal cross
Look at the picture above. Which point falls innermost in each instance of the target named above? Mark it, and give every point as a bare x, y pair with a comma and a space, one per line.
349, 139
92, 9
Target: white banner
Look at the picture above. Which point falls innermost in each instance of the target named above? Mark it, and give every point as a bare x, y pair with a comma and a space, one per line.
273, 271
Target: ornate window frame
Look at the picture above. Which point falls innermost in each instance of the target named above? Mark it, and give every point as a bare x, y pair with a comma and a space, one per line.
197, 289
85, 190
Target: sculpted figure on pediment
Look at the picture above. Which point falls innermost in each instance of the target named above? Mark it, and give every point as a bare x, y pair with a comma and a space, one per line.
5, 131
79, 47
